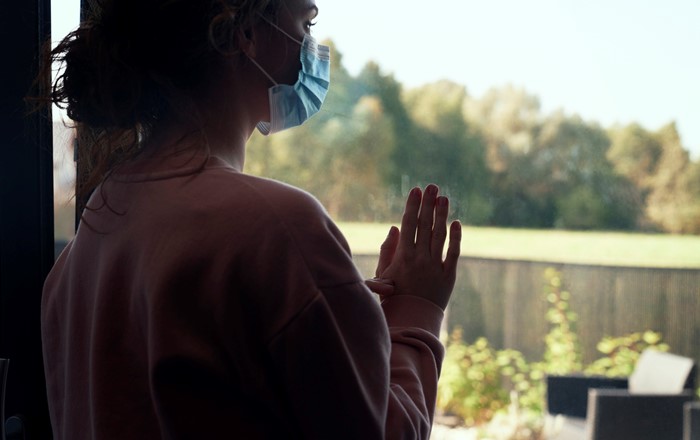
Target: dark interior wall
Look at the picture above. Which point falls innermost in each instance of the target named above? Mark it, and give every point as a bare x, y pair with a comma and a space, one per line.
26, 210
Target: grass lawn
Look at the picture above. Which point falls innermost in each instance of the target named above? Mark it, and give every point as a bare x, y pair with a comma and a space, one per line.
604, 248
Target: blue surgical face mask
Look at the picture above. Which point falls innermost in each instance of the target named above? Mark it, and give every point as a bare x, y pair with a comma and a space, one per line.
291, 106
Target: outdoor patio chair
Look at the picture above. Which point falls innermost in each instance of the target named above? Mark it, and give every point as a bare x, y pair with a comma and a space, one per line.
648, 405
691, 421
620, 415
568, 395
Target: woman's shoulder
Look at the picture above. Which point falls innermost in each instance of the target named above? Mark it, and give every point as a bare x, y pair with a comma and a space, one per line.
265, 196
282, 194
283, 219
264, 204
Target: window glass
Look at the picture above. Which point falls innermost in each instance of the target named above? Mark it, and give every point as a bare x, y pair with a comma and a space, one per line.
565, 134
65, 16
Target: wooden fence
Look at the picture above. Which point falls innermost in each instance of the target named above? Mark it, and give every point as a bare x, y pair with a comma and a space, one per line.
503, 300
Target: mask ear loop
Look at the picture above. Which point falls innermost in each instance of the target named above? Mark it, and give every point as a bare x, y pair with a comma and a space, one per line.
301, 43
263, 71
285, 33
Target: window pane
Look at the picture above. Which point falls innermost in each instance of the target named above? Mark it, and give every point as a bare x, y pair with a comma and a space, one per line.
65, 16
64, 181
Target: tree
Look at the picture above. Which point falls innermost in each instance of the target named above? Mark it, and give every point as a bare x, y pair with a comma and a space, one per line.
506, 118
635, 154
498, 158
690, 208
361, 148
568, 180
445, 150
670, 197
372, 82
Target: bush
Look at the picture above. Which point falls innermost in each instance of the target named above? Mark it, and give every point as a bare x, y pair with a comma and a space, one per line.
479, 381
563, 351
621, 354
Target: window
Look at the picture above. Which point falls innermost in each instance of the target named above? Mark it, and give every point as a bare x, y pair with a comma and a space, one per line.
65, 16
564, 133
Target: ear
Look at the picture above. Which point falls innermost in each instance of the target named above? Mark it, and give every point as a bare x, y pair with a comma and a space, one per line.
246, 41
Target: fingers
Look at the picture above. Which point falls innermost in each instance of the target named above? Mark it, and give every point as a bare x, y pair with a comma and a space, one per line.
410, 218
453, 248
387, 251
380, 287
426, 218
437, 244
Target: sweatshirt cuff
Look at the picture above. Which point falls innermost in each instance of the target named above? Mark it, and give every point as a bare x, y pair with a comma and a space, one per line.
413, 311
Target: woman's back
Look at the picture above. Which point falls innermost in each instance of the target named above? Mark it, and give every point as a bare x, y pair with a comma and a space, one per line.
163, 314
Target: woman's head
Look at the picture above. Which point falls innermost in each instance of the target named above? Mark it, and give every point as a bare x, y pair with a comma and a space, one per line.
133, 64
134, 61
136, 66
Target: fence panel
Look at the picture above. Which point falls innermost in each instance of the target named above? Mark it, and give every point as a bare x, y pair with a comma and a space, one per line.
503, 301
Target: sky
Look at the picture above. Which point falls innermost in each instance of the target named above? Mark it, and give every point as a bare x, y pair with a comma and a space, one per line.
609, 61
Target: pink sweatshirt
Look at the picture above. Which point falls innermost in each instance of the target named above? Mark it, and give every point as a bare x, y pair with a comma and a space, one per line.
202, 303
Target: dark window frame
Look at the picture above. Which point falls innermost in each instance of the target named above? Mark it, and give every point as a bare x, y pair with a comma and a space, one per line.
26, 213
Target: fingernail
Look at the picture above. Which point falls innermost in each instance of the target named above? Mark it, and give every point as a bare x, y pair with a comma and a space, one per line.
442, 201
415, 192
432, 190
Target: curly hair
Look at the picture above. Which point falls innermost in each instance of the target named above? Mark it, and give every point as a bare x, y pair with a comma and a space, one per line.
131, 63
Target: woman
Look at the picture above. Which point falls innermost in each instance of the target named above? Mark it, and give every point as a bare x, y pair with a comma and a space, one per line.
198, 302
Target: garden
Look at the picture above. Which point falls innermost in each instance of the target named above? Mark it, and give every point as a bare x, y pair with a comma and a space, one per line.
501, 395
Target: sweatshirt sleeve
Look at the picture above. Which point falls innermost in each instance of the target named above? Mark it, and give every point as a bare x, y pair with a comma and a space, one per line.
350, 367
350, 375
415, 363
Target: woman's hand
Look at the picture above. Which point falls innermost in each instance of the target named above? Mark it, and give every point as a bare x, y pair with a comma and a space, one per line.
411, 259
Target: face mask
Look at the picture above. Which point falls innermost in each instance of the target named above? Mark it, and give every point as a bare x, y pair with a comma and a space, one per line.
291, 106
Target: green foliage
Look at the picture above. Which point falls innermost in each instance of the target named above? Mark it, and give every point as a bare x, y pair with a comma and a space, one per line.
660, 168
635, 154
479, 382
446, 150
690, 205
517, 424
621, 353
563, 351
501, 160
581, 209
